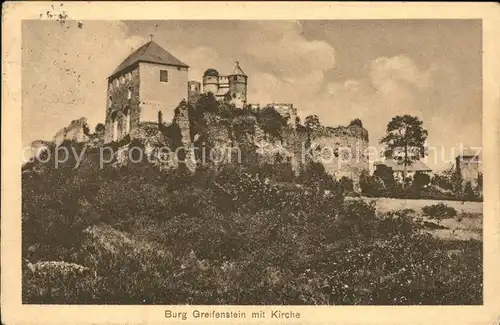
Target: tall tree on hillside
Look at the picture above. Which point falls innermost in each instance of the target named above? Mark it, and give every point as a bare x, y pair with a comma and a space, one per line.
405, 137
311, 123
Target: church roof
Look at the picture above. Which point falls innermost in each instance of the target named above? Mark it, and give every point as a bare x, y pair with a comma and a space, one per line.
468, 153
150, 52
414, 167
237, 70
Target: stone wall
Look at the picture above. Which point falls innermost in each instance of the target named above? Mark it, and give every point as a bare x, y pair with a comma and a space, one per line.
341, 150
77, 130
157, 95
181, 119
122, 105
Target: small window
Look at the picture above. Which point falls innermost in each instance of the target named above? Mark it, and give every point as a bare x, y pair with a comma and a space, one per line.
163, 75
110, 101
129, 94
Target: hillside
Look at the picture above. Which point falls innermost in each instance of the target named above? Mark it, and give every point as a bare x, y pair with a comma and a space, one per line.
252, 234
130, 222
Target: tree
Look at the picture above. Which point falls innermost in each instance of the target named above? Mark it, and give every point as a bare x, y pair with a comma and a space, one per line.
468, 192
386, 175
444, 179
439, 212
371, 185
420, 181
356, 122
160, 118
405, 137
271, 121
99, 129
312, 123
207, 103
479, 185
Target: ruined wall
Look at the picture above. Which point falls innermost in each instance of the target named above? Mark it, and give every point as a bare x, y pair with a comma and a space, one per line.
181, 119
468, 169
342, 150
287, 111
122, 105
77, 131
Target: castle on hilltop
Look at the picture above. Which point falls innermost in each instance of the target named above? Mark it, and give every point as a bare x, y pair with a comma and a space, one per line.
150, 83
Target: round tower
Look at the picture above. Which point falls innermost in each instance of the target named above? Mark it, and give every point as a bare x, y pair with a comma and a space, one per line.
238, 86
211, 81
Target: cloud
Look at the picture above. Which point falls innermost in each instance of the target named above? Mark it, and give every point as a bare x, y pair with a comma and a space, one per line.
390, 73
393, 86
282, 65
64, 71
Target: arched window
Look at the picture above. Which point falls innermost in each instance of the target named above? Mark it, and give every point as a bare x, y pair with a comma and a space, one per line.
110, 101
129, 93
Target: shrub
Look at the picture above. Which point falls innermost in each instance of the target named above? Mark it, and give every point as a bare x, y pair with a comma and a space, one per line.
372, 186
230, 236
439, 212
271, 121
356, 122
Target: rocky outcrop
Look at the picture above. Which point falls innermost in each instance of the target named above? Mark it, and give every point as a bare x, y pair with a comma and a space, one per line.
77, 131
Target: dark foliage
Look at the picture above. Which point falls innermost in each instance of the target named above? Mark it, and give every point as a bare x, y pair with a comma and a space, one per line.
233, 236
439, 212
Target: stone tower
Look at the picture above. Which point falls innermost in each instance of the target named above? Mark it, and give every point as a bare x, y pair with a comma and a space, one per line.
468, 165
238, 86
148, 82
211, 81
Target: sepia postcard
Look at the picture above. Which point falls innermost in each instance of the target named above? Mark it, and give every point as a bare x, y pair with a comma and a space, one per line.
250, 162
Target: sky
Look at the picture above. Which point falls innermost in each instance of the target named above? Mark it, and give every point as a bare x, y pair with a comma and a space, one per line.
339, 70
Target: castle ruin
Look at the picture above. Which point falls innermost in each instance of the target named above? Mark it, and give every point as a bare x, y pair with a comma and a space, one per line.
151, 83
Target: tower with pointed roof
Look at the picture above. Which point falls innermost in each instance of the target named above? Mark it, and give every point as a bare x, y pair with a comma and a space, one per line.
238, 86
149, 83
232, 87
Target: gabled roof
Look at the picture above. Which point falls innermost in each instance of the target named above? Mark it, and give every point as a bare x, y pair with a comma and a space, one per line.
414, 167
150, 52
237, 70
467, 152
